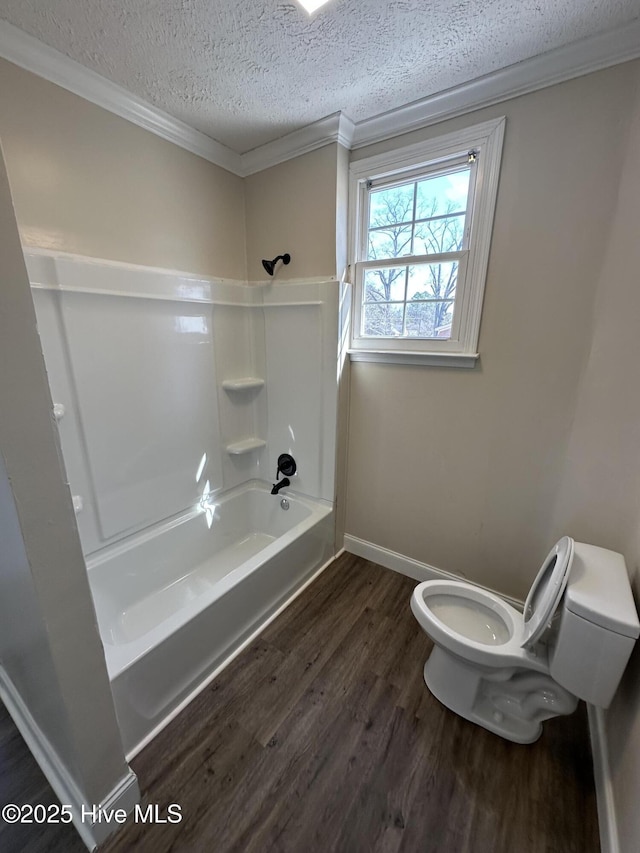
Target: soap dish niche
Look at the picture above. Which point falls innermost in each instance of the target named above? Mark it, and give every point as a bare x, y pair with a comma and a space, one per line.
244, 383
247, 445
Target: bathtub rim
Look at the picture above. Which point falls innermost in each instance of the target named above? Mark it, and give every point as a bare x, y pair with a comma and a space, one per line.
122, 656
139, 537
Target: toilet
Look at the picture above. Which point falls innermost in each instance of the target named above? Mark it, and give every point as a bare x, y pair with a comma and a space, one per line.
509, 671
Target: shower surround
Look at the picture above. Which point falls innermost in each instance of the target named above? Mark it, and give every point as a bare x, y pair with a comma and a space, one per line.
175, 395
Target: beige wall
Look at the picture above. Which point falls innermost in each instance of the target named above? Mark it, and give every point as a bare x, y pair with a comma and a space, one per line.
460, 468
291, 208
599, 495
89, 182
599, 498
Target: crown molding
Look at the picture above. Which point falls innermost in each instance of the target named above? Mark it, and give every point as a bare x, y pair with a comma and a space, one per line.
32, 55
336, 127
547, 69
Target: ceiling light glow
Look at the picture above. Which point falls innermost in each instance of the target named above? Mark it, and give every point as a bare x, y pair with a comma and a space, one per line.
312, 5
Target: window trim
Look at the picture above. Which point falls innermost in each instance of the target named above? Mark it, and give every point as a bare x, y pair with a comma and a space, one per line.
486, 139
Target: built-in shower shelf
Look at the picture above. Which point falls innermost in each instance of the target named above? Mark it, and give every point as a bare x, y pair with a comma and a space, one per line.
247, 445
246, 383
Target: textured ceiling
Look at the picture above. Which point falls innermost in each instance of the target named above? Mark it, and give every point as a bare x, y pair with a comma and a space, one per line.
246, 72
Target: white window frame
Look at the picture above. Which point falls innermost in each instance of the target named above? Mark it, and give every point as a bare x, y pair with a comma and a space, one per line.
485, 140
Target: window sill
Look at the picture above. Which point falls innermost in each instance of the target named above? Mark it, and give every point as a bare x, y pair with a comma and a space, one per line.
433, 359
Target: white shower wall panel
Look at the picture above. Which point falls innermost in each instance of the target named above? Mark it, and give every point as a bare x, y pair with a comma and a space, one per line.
144, 363
142, 371
130, 357
239, 349
301, 333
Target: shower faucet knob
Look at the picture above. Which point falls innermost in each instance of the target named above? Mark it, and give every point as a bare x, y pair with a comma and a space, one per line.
286, 465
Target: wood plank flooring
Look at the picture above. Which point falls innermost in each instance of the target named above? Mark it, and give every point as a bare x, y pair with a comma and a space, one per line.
321, 736
22, 782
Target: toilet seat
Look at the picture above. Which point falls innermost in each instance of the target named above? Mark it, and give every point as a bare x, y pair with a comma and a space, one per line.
547, 590
478, 626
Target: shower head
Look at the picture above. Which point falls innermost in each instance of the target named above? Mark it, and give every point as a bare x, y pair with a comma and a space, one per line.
270, 265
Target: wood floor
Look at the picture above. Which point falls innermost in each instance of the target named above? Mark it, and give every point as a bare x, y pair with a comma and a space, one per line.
22, 782
321, 736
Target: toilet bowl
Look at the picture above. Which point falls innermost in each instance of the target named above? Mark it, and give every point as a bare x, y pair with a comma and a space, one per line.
509, 671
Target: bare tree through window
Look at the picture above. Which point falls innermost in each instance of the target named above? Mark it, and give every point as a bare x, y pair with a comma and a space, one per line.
417, 219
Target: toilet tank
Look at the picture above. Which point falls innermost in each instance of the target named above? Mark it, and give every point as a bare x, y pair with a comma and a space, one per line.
597, 628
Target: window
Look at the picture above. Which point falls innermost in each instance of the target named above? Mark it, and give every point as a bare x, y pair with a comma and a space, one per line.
421, 226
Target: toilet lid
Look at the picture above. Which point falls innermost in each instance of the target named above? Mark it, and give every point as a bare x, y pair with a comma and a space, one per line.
547, 590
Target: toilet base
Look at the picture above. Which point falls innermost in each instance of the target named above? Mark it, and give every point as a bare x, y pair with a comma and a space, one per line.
509, 702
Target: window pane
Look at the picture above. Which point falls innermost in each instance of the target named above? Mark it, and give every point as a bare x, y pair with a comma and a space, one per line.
382, 319
442, 194
432, 281
439, 235
391, 206
430, 293
384, 285
389, 243
429, 319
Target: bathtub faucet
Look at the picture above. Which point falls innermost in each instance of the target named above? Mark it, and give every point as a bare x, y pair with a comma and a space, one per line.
281, 485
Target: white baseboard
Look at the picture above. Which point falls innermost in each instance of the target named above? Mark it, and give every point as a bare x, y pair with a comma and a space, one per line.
124, 795
410, 567
609, 841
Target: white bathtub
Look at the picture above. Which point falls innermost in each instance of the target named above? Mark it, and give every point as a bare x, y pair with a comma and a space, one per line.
174, 603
